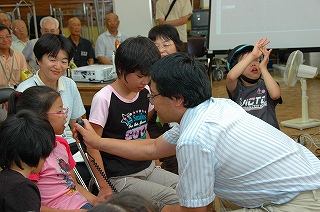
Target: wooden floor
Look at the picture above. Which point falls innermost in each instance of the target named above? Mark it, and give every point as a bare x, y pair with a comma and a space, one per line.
289, 109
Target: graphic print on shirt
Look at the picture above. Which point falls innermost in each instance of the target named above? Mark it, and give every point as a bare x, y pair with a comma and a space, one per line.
65, 168
136, 123
256, 102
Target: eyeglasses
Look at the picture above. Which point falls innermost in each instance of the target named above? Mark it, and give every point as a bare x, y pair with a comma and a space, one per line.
151, 97
18, 28
164, 45
64, 112
8, 37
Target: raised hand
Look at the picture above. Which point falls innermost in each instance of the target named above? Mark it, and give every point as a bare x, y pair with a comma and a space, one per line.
260, 47
266, 54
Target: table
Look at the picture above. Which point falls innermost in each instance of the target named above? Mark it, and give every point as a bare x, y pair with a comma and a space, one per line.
88, 90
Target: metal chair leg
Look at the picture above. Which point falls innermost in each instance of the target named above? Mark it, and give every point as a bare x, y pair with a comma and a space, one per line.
86, 161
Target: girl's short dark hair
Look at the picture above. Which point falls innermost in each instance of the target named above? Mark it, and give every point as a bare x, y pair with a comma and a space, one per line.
166, 32
51, 44
25, 137
136, 54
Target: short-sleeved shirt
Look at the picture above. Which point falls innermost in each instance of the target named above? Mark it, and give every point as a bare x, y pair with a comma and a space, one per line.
54, 181
257, 101
105, 44
123, 119
18, 193
83, 52
11, 68
180, 9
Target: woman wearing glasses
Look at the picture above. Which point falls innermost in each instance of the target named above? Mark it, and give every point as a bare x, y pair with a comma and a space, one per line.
166, 38
53, 54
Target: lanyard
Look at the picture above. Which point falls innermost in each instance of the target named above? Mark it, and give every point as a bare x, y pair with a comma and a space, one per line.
4, 71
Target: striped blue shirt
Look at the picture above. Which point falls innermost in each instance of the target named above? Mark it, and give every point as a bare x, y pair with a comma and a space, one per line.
223, 151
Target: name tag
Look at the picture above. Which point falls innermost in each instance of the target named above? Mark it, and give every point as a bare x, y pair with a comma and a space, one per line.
84, 53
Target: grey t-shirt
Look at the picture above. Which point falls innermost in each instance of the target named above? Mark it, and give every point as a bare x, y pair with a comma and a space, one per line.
256, 101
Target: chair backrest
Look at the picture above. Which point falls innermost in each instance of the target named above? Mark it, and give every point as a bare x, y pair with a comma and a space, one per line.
5, 94
197, 46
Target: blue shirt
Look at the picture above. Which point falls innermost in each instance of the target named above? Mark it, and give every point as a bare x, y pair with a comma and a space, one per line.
223, 151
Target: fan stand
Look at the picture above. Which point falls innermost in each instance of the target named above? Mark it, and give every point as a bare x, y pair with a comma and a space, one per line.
304, 122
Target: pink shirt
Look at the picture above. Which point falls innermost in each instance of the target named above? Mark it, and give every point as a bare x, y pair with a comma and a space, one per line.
54, 181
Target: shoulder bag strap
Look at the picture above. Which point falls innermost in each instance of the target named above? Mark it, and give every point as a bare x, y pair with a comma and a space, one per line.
171, 5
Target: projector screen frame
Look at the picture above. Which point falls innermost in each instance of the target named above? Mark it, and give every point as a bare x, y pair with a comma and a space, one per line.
281, 49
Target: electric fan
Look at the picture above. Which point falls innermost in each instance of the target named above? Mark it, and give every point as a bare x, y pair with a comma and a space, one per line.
295, 70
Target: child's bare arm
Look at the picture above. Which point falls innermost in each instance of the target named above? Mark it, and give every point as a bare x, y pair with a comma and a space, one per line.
272, 86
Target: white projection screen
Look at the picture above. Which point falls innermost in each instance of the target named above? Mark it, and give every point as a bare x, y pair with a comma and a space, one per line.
289, 24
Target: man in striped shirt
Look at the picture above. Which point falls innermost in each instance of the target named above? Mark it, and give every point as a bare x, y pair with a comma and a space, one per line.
222, 150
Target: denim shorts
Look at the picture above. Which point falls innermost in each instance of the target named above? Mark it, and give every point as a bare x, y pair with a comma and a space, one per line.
86, 206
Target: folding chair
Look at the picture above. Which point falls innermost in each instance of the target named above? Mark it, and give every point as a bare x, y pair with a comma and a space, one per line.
93, 178
5, 94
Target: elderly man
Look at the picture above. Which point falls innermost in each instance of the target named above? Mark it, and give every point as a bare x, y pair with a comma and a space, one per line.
12, 64
108, 41
84, 53
20, 30
47, 25
5, 19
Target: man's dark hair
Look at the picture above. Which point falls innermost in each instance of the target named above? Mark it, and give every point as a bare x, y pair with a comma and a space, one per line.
2, 27
136, 54
25, 137
180, 75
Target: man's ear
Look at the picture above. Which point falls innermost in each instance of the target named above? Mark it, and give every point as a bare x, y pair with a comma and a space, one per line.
179, 101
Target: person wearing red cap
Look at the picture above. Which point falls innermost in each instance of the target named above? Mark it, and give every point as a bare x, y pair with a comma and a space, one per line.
257, 96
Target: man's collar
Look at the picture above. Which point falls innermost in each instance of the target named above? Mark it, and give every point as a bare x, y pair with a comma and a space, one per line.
80, 39
10, 52
20, 41
118, 35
